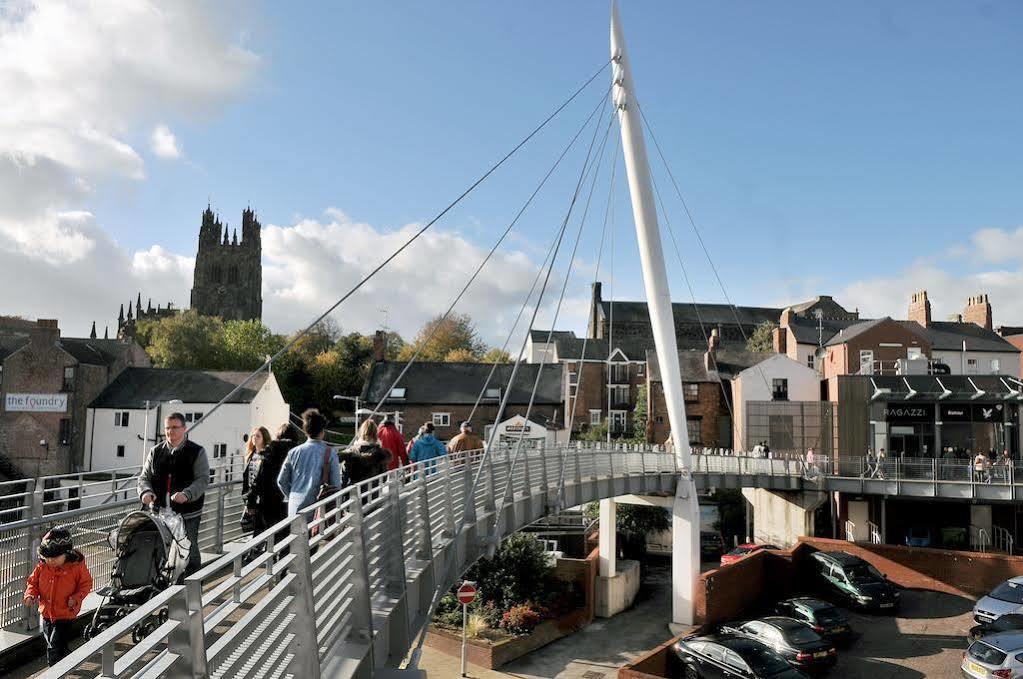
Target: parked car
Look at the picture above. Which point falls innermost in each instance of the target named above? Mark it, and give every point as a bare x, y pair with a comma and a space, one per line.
826, 620
851, 580
995, 656
791, 639
1005, 623
728, 655
711, 542
741, 551
1005, 598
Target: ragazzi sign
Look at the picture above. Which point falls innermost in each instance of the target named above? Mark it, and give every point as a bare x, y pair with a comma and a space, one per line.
898, 412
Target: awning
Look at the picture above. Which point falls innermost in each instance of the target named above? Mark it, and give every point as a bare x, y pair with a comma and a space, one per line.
978, 388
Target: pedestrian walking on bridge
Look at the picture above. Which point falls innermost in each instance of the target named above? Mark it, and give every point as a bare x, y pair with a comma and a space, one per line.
466, 440
303, 473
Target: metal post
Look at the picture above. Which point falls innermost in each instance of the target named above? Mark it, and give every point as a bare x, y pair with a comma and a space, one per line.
305, 662
465, 619
449, 499
425, 541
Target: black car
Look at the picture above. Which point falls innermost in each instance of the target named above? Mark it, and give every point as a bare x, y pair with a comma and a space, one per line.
851, 580
826, 620
1010, 622
728, 656
792, 640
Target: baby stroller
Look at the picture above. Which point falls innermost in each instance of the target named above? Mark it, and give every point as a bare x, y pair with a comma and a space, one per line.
150, 554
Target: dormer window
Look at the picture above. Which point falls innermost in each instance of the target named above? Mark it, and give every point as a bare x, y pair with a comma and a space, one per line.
397, 393
492, 393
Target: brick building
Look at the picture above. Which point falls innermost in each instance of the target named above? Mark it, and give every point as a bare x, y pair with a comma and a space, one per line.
446, 393
46, 384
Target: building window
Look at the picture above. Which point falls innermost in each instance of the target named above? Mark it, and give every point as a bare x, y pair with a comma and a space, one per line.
442, 419
619, 372
640, 369
120, 451
691, 392
617, 421
192, 417
69, 379
219, 451
694, 431
619, 394
971, 366
913, 353
65, 432
121, 419
779, 389
595, 418
493, 393
996, 365
809, 361
397, 393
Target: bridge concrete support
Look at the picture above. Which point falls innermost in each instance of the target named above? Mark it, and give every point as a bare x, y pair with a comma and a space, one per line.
780, 517
617, 581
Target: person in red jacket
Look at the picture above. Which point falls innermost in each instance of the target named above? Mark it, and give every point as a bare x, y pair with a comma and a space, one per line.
392, 441
59, 585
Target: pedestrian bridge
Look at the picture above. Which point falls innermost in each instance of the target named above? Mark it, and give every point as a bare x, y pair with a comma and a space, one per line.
343, 589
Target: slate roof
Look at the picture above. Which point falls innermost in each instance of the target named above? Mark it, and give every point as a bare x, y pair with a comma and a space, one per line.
93, 351
855, 330
686, 312
805, 329
133, 387
429, 383
9, 344
693, 364
541, 335
949, 336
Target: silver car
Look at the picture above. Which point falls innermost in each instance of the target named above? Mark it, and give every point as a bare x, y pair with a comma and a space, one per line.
995, 656
1005, 598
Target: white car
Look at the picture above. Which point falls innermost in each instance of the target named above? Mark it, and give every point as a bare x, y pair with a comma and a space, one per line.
1005, 598
998, 656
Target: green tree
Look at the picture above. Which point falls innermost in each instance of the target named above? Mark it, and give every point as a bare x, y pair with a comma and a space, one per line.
496, 355
762, 338
445, 336
186, 340
639, 416
246, 344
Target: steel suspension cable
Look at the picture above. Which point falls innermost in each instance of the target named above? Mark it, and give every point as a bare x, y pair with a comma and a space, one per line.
465, 288
493, 168
442, 585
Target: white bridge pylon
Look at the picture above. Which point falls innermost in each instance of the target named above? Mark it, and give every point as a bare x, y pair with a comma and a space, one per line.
685, 524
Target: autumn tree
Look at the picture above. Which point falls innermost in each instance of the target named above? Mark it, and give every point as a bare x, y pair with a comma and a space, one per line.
762, 338
441, 336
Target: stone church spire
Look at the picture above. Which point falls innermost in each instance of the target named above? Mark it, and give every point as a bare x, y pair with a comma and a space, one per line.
92, 335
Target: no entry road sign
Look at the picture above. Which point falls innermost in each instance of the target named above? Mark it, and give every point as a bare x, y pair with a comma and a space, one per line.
466, 593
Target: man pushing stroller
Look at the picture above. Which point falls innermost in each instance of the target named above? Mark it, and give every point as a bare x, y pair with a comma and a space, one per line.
175, 474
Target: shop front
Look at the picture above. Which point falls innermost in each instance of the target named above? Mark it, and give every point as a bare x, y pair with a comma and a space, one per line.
927, 429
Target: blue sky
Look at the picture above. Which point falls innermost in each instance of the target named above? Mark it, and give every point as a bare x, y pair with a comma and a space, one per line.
822, 148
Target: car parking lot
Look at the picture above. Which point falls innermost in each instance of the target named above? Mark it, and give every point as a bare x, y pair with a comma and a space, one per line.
925, 638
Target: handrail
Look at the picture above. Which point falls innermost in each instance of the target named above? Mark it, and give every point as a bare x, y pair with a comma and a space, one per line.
850, 531
875, 533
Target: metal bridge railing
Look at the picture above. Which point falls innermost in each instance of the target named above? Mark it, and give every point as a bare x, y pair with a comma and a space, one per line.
90, 504
324, 588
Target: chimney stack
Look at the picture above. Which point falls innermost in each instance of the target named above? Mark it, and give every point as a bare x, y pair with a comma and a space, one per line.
978, 310
920, 308
710, 358
380, 346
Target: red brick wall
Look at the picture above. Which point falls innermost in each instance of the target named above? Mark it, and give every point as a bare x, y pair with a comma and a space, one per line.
708, 408
942, 570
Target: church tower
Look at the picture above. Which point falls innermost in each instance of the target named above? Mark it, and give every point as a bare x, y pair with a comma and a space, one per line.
228, 276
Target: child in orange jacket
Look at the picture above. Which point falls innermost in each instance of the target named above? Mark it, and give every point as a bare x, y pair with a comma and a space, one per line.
59, 584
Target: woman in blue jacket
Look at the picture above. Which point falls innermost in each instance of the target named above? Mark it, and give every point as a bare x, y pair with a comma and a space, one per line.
427, 447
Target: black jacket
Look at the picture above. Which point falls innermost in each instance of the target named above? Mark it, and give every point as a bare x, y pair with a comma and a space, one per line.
259, 482
363, 460
167, 471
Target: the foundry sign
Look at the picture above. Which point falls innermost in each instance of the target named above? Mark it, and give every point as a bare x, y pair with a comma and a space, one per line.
956, 413
899, 412
36, 403
972, 412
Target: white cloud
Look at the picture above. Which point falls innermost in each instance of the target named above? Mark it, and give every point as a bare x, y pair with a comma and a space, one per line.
89, 77
163, 143
950, 284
